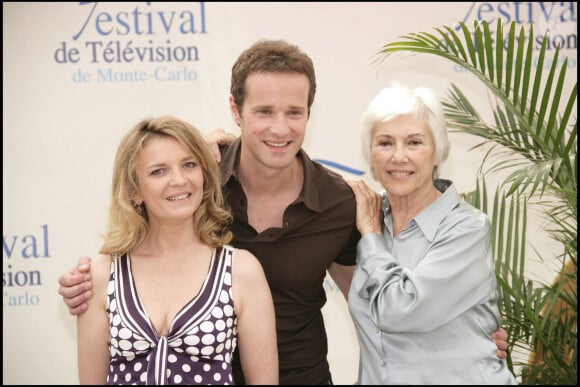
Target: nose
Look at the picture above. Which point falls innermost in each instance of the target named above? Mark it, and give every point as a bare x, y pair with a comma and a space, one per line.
399, 154
279, 125
177, 177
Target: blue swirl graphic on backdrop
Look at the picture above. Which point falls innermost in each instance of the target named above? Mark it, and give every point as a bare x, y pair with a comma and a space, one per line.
341, 167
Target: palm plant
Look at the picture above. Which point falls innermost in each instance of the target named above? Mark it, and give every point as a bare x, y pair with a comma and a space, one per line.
533, 140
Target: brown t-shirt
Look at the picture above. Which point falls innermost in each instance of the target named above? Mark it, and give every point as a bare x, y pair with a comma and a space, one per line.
319, 229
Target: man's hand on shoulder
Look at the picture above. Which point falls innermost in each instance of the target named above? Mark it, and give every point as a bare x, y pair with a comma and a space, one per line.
218, 137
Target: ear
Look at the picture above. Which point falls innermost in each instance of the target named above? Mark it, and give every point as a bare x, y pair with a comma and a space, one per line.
234, 110
137, 199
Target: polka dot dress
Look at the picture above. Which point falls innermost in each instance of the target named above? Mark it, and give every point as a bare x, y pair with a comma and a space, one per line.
199, 345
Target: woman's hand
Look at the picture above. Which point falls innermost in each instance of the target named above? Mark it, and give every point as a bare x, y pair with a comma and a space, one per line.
368, 207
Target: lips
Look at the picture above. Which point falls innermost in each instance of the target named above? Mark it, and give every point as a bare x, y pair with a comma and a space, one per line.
400, 173
179, 197
277, 144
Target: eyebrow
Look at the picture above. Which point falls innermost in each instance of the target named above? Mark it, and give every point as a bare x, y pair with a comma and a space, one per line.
157, 165
409, 135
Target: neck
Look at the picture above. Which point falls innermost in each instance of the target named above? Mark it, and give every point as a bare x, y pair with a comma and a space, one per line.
405, 208
256, 177
170, 239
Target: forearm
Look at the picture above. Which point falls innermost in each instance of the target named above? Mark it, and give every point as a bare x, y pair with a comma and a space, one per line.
441, 285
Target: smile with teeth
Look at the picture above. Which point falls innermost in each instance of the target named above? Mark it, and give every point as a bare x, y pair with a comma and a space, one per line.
400, 173
277, 144
179, 197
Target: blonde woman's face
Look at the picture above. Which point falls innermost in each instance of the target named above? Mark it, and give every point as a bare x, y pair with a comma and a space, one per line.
403, 156
170, 180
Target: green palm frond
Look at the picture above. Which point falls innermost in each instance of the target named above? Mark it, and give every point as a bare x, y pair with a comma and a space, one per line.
528, 307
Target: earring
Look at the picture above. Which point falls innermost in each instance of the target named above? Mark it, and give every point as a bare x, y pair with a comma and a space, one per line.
139, 208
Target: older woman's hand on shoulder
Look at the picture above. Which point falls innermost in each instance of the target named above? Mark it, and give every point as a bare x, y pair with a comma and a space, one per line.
368, 207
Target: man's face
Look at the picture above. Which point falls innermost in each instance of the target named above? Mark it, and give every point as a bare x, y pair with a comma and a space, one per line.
273, 118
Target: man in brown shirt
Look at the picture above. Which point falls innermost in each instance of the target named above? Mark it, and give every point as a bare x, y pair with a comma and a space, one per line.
316, 232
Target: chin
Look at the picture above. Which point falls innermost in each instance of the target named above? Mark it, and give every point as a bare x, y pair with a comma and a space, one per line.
397, 192
280, 162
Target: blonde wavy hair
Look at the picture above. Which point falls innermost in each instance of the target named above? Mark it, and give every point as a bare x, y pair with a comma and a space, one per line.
128, 222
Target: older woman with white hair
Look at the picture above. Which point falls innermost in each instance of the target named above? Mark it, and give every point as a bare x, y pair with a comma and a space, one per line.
424, 293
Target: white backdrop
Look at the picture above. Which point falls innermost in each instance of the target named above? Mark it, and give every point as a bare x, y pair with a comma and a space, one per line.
74, 83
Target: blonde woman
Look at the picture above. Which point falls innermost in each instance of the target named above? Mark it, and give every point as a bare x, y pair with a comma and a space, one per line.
172, 299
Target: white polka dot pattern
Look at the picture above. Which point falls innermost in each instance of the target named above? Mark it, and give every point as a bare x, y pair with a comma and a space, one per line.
199, 347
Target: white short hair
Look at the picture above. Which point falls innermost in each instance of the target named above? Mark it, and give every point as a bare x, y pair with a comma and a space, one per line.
400, 100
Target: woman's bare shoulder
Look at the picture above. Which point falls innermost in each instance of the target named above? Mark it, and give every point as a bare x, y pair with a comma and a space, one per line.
246, 263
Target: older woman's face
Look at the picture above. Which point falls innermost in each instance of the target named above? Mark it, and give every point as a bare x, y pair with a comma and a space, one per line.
403, 156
